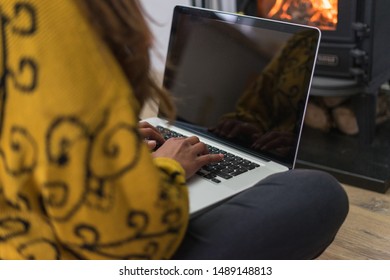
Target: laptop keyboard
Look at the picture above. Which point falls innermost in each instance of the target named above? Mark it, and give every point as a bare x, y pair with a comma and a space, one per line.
229, 167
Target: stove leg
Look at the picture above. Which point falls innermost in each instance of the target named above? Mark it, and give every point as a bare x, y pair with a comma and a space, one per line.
366, 114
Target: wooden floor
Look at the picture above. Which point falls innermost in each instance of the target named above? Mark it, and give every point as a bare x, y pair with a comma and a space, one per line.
366, 231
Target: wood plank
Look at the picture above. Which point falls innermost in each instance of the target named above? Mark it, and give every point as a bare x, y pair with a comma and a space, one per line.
366, 231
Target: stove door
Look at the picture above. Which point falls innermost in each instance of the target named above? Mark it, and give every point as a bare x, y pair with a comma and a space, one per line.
335, 18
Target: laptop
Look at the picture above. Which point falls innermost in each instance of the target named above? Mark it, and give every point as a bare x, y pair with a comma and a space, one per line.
240, 84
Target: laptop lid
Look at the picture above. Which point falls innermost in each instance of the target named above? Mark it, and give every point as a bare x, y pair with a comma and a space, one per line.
241, 79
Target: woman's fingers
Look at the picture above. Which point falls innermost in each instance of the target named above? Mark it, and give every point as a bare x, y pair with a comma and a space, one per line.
149, 132
189, 152
209, 158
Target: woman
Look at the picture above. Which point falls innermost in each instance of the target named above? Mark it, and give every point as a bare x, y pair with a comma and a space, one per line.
78, 182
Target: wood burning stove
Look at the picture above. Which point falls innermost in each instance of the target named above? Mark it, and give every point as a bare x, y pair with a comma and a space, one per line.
354, 46
353, 59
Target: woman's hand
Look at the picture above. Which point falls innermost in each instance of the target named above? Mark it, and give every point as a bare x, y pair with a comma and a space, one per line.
151, 135
189, 152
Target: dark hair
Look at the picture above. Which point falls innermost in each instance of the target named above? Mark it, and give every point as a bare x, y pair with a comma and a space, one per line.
122, 26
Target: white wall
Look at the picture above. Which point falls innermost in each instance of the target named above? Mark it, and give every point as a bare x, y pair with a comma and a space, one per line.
160, 13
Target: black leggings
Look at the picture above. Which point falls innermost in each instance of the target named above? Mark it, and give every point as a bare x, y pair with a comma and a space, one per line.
290, 215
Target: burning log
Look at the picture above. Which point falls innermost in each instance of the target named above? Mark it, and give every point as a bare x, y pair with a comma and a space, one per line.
320, 13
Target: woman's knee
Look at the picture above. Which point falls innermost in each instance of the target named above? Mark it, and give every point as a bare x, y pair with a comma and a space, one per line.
313, 187
326, 186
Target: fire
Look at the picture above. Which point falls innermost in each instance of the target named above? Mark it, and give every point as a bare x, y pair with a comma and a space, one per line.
321, 13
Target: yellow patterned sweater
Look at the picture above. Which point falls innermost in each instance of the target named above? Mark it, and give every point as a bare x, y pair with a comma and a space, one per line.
76, 180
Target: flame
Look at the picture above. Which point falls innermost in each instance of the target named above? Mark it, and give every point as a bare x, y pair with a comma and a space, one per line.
321, 13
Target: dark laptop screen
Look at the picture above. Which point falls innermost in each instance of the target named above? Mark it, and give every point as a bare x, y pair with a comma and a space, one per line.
242, 79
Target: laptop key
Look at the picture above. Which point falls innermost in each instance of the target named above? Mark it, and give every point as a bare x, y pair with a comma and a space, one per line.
238, 172
223, 175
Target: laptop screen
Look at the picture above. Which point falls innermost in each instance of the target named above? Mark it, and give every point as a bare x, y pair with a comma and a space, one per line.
241, 79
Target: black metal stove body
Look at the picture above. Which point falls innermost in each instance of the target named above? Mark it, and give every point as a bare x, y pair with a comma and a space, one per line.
359, 47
